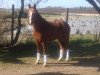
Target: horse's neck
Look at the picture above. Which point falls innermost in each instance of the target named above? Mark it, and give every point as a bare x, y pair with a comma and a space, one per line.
37, 18
37, 22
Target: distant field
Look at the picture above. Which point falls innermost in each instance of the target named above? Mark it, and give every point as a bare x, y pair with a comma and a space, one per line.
80, 24
83, 23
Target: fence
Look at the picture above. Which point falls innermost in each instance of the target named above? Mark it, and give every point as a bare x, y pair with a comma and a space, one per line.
80, 24
83, 24
11, 23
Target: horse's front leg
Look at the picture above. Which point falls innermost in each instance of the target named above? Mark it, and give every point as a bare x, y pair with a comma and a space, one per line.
45, 54
39, 46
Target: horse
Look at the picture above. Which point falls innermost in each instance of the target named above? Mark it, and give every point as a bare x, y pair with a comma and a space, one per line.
45, 31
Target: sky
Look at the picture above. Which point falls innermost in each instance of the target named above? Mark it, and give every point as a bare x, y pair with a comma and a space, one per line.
52, 3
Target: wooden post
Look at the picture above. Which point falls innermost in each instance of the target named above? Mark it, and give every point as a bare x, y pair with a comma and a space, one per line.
12, 26
67, 15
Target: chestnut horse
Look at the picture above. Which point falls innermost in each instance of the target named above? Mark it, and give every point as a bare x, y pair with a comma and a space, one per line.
45, 32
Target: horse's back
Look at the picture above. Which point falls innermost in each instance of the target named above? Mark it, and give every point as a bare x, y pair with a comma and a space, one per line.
64, 26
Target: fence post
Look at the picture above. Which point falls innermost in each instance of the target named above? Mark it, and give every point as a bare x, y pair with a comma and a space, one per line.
12, 26
67, 15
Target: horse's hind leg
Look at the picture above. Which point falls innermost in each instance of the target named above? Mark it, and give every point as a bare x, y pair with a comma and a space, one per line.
61, 49
64, 48
67, 48
67, 55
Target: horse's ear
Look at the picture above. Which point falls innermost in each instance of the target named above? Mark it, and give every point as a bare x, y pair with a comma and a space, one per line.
29, 6
35, 6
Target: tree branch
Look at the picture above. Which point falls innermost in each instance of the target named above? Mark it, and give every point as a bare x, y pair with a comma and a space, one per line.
93, 3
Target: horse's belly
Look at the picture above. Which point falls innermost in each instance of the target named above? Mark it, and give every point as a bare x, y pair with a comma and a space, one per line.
52, 36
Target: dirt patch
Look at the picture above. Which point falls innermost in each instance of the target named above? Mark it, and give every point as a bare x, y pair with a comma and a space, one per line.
76, 66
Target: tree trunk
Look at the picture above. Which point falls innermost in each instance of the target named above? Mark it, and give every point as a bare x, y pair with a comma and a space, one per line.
19, 22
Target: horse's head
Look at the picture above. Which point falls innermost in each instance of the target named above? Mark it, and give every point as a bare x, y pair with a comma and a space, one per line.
31, 11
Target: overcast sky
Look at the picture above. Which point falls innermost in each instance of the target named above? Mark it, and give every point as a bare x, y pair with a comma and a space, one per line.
52, 3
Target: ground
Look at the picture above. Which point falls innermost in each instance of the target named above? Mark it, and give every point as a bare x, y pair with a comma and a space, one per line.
76, 66
20, 60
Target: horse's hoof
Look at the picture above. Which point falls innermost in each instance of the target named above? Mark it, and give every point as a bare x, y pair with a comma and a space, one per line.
59, 59
37, 62
45, 65
67, 60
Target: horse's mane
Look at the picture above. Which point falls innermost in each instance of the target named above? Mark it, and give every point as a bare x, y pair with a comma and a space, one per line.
38, 19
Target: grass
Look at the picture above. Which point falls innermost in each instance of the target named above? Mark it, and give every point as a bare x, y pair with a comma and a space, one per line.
26, 52
85, 47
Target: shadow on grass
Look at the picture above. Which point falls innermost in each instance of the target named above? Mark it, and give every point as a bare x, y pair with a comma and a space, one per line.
11, 55
84, 48
52, 73
88, 62
86, 52
82, 62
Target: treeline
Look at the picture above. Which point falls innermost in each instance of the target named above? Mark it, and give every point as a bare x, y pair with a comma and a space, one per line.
59, 10
49, 10
7, 13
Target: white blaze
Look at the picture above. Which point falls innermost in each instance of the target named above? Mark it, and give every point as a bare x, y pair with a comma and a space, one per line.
30, 17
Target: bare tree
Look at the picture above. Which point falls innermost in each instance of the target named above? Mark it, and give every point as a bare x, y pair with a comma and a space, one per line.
98, 1
19, 22
15, 39
94, 4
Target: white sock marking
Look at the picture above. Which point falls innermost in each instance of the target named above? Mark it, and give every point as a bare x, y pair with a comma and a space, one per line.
45, 59
67, 55
38, 57
61, 54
